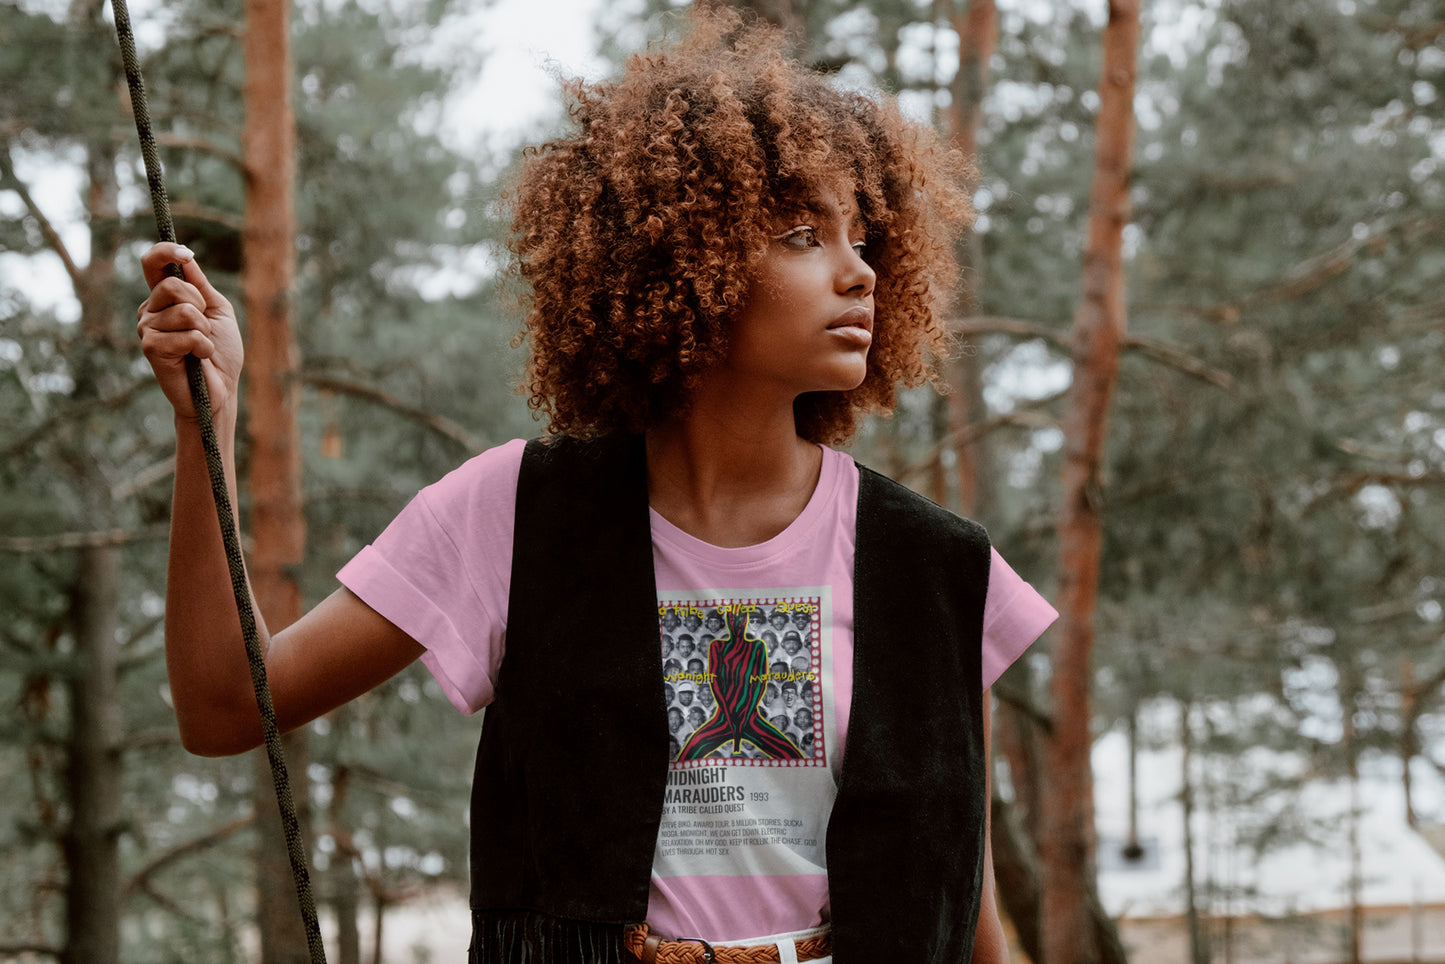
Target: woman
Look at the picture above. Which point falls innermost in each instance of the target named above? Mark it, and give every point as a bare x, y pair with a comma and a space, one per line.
728, 262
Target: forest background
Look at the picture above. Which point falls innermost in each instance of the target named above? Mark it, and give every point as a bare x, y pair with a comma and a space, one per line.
1267, 511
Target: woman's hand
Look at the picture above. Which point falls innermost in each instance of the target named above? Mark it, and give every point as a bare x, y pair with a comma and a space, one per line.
187, 316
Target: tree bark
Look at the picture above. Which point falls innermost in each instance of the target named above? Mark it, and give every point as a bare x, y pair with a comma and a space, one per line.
1349, 692
91, 839
1198, 937
976, 23
1016, 869
91, 842
345, 887
272, 364
278, 911
1016, 873
1098, 330
1409, 739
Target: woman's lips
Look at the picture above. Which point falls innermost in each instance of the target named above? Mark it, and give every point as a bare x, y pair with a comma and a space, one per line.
854, 325
859, 316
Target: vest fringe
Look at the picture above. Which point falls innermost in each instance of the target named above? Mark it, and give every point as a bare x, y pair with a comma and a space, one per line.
529, 937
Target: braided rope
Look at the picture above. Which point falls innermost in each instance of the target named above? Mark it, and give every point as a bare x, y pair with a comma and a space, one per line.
201, 396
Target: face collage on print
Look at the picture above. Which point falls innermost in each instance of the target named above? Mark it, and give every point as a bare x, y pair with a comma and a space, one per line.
756, 699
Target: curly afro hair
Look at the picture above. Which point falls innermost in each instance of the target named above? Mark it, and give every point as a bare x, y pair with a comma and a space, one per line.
638, 233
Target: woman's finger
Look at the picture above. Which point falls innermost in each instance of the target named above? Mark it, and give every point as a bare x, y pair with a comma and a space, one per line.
179, 317
169, 292
167, 346
164, 253
155, 261
214, 300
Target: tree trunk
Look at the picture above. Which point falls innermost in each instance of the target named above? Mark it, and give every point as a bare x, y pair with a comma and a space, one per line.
1133, 850
272, 363
1349, 704
1016, 873
92, 856
377, 932
977, 27
278, 911
345, 887
1068, 841
1409, 739
1016, 870
1199, 952
91, 838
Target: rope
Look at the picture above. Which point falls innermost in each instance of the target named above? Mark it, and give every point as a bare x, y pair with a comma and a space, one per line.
290, 825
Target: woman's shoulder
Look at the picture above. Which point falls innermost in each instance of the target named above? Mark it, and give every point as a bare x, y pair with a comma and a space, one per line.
909, 508
483, 474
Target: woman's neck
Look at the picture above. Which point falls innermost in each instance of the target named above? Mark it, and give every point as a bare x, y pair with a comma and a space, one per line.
731, 476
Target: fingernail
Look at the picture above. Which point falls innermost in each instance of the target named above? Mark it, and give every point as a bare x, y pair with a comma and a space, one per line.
185, 253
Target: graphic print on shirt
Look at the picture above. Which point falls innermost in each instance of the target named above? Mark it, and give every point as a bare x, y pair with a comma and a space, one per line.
742, 683
748, 681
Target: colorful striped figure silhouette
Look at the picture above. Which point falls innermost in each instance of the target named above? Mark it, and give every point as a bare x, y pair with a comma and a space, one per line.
739, 667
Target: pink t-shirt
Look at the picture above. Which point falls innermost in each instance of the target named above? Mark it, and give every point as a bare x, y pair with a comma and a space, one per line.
767, 627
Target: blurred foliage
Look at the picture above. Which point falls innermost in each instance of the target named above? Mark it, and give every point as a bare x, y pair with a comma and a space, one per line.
1273, 497
388, 213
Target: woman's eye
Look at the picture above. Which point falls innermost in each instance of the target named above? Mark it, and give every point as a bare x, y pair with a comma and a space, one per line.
800, 237
859, 247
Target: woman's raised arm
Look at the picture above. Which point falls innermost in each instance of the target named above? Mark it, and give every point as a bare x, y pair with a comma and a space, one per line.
340, 649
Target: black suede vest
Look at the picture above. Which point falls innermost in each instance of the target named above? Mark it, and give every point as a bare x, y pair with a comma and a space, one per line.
572, 766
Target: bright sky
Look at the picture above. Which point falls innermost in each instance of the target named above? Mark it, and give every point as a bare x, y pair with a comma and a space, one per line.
523, 43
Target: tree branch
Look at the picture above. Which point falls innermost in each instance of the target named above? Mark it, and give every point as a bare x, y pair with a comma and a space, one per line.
967, 434
1414, 36
21, 950
1026, 707
8, 179
140, 633
81, 540
439, 424
1427, 316
76, 410
146, 477
150, 891
1352, 483
1308, 276
1245, 183
1431, 684
159, 737
1015, 327
1058, 338
200, 117
1364, 450
1380, 612
141, 880
201, 145
204, 213
435, 796
1176, 357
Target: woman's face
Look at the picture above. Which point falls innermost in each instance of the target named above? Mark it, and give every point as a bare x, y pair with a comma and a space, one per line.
807, 323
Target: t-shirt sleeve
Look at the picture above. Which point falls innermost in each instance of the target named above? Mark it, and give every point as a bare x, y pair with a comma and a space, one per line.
1014, 615
441, 572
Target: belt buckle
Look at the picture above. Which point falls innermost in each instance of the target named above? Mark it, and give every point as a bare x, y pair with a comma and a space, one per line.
709, 956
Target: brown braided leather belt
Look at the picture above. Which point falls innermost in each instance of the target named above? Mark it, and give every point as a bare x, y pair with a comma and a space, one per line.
651, 949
